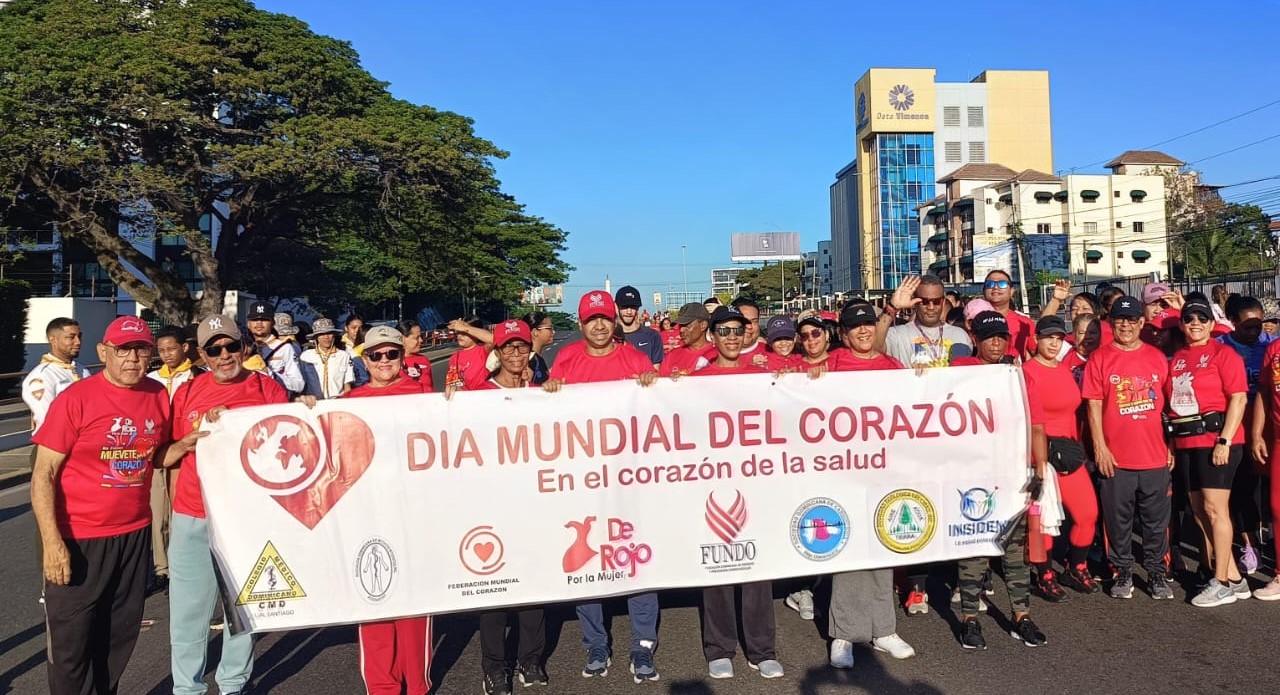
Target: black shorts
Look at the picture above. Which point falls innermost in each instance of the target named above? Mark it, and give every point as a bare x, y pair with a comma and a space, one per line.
1195, 468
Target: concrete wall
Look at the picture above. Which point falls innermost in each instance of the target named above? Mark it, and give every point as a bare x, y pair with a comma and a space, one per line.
94, 317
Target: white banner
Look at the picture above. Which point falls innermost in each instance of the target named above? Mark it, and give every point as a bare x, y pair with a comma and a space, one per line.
375, 508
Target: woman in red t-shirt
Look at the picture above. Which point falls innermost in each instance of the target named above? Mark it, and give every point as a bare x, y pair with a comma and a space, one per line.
467, 366
391, 650
781, 334
1207, 381
416, 366
815, 343
1053, 396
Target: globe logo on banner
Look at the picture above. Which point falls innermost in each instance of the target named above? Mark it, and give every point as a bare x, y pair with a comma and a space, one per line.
819, 529
863, 118
306, 469
901, 97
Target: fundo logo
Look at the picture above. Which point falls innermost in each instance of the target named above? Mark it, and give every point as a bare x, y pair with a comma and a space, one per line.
977, 504
727, 524
307, 472
481, 551
819, 529
620, 556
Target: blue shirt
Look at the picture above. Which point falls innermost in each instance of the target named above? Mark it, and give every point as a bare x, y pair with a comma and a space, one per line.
648, 341
1252, 356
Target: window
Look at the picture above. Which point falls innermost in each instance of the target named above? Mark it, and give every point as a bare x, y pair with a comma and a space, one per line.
1042, 228
951, 152
1119, 254
1117, 194
975, 116
1090, 227
991, 230
977, 151
951, 116
1137, 227
1119, 224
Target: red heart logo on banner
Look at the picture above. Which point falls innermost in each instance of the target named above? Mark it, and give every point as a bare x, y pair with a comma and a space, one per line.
484, 551
283, 454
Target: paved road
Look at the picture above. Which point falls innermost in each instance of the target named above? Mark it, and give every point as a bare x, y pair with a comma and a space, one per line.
1096, 644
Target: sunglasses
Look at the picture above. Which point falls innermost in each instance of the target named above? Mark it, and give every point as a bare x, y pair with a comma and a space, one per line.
813, 335
726, 331
217, 350
383, 356
932, 301
996, 284
1197, 318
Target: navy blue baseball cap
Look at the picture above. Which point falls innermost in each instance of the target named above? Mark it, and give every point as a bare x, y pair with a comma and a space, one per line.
261, 311
780, 328
628, 297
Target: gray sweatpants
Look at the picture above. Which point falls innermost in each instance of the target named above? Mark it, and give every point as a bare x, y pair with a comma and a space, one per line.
862, 605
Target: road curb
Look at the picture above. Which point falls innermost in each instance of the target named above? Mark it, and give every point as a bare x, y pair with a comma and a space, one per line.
10, 479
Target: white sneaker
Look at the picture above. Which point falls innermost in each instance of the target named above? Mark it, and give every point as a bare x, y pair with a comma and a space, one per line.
1270, 592
841, 653
894, 646
769, 668
720, 668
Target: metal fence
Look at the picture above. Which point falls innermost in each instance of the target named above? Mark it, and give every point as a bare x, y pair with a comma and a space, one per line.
1258, 283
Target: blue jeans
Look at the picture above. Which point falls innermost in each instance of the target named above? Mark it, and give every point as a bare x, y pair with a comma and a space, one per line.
643, 609
193, 591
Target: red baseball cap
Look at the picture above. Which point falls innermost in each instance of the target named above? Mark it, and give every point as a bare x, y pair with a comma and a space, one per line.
128, 330
512, 329
597, 303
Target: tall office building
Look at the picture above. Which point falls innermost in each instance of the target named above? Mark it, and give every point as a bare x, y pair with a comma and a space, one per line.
912, 131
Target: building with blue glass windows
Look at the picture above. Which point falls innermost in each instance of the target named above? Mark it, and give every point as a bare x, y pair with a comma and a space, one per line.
912, 131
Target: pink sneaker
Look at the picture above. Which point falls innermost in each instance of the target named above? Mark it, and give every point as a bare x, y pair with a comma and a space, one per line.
1270, 592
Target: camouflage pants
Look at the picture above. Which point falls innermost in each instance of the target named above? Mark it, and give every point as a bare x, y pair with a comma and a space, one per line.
1017, 575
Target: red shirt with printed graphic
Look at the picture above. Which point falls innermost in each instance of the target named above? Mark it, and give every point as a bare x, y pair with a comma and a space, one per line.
468, 366
197, 397
577, 367
109, 434
1130, 385
683, 358
1269, 384
418, 368
1202, 380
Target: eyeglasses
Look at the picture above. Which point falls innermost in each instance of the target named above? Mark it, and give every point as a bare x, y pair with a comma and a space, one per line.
932, 301
545, 328
1197, 318
726, 331
813, 335
1125, 319
127, 350
996, 284
383, 356
216, 350
515, 349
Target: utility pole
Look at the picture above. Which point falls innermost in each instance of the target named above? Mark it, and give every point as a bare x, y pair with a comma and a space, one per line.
684, 270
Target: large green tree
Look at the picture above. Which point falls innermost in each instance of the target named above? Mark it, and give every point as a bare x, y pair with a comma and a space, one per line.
135, 118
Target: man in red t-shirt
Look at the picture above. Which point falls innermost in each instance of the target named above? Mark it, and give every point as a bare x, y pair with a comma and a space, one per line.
1266, 416
91, 497
193, 586
692, 321
598, 358
1124, 386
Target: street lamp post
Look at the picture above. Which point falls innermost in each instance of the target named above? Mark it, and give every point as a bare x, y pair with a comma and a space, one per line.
684, 270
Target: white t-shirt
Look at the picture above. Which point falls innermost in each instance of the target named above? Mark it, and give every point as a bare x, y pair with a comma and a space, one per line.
915, 345
44, 382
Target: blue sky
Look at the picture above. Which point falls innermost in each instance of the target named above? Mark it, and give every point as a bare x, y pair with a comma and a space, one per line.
642, 127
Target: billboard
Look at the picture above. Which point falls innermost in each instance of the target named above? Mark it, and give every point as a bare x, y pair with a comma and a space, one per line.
748, 247
543, 295
894, 101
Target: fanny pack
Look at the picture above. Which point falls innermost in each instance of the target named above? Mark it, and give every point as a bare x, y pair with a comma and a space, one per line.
1194, 425
1065, 455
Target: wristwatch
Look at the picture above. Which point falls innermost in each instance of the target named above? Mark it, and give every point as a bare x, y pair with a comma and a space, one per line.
1222, 441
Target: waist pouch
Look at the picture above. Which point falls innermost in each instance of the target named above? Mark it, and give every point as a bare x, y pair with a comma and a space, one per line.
1065, 455
1194, 425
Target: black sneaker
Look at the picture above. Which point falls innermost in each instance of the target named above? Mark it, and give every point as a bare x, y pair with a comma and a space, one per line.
1079, 579
1159, 587
495, 683
531, 674
971, 635
1047, 588
988, 586
1027, 631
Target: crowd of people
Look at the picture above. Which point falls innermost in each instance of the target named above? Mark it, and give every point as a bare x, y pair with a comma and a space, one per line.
1154, 414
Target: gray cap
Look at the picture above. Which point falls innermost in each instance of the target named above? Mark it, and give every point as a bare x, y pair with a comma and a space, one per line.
218, 326
382, 335
284, 325
693, 311
323, 326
